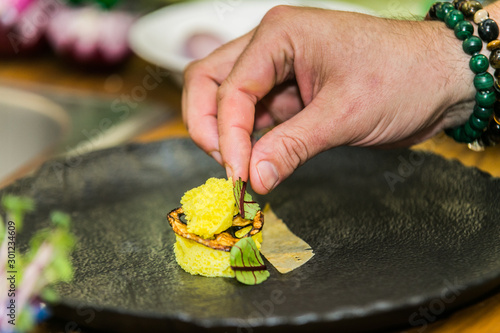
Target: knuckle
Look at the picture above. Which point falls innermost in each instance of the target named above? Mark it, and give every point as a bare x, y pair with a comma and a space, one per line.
294, 150
277, 13
278, 24
223, 90
193, 69
189, 71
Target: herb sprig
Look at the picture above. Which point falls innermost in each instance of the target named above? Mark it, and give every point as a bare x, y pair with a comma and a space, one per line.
246, 206
245, 258
47, 261
247, 263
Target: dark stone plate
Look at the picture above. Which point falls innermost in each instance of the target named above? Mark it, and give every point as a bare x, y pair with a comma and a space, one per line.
400, 238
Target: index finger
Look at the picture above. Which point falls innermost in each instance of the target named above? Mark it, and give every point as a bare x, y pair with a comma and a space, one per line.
199, 104
265, 62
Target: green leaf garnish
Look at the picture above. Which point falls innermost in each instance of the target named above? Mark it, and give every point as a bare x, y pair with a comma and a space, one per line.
246, 262
17, 207
47, 260
246, 206
60, 219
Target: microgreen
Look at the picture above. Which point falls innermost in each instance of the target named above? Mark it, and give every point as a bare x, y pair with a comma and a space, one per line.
247, 263
46, 262
17, 208
246, 206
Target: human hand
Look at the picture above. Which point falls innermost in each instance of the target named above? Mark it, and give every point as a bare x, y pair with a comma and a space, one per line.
323, 79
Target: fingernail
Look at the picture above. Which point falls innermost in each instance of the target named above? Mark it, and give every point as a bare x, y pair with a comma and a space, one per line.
216, 156
268, 174
229, 172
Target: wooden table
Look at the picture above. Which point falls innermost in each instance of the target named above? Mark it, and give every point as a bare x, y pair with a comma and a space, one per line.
482, 317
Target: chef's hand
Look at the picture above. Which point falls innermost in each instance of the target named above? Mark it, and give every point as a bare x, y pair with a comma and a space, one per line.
323, 79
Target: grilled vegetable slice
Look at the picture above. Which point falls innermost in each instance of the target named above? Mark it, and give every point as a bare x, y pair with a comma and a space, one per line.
223, 241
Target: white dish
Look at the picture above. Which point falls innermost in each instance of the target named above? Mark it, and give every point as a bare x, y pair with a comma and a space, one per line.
30, 130
160, 37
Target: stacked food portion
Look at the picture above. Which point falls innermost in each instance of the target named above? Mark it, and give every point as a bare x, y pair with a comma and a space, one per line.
217, 216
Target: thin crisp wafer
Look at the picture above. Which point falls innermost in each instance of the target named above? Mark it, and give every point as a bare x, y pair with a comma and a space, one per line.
281, 247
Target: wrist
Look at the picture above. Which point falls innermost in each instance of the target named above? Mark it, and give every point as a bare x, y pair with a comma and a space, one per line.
461, 18
482, 128
455, 79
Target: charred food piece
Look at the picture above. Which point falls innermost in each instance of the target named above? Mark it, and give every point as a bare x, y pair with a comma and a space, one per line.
223, 241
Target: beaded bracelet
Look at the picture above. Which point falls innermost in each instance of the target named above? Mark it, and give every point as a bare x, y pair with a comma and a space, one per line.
488, 31
454, 15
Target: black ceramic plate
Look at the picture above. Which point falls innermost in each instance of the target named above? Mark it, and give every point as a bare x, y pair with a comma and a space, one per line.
399, 239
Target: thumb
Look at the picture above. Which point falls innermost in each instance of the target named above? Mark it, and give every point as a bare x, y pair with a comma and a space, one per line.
289, 145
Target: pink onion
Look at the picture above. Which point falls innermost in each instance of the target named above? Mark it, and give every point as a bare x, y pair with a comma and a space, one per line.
23, 24
91, 36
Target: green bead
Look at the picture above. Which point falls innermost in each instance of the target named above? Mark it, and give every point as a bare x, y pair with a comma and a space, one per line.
453, 17
470, 132
444, 9
472, 45
479, 63
484, 81
482, 113
107, 4
463, 30
458, 134
485, 98
477, 123
463, 137
452, 132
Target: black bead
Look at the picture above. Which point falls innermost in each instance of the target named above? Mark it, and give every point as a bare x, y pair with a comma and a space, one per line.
457, 3
469, 8
494, 131
431, 15
496, 110
486, 140
496, 74
496, 89
488, 30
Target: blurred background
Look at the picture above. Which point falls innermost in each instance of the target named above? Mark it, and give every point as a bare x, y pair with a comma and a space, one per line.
81, 75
